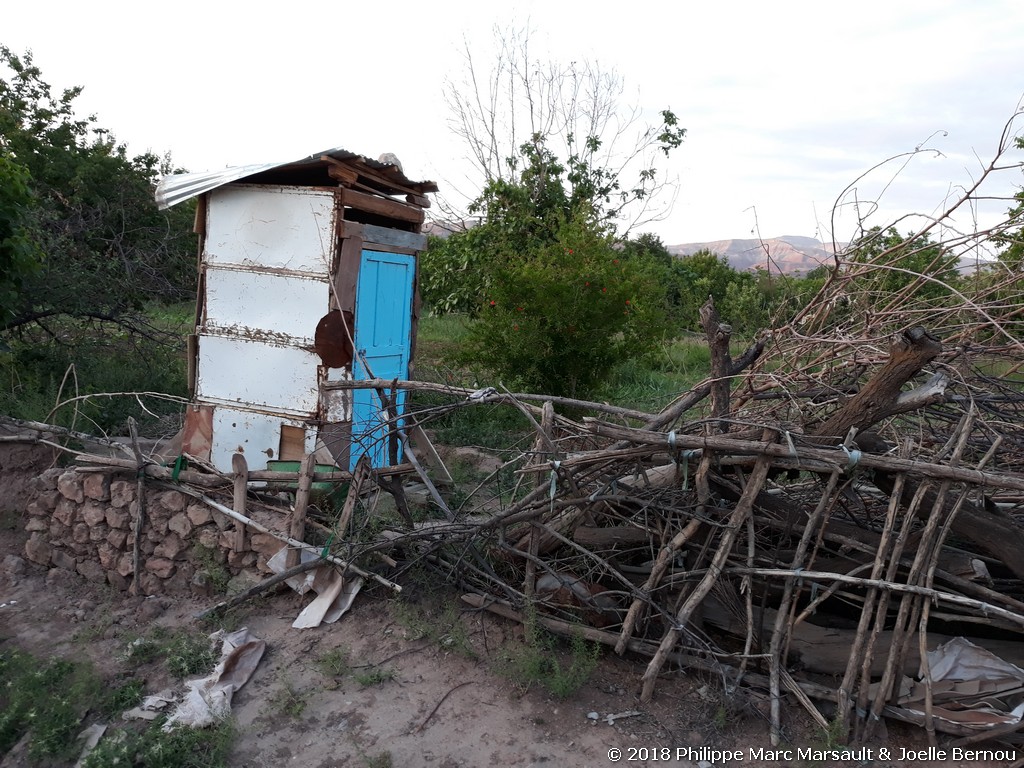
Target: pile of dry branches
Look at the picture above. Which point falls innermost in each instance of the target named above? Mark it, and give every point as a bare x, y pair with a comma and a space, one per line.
817, 517
822, 517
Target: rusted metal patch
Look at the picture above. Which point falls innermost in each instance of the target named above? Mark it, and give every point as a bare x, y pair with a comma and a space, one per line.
333, 338
197, 434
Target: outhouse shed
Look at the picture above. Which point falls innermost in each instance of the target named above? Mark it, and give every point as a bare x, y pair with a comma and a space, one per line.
307, 276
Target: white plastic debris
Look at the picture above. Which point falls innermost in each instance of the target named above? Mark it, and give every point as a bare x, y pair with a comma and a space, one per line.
209, 699
628, 713
151, 707
90, 737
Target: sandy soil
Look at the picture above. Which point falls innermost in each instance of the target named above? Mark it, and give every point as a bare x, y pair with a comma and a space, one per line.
444, 706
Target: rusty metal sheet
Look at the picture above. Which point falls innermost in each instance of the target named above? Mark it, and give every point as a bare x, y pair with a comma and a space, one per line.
197, 434
257, 373
246, 303
274, 227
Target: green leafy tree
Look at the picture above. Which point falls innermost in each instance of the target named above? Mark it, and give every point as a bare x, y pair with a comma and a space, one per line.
19, 254
557, 302
1012, 239
562, 304
99, 248
86, 260
558, 318
895, 263
452, 273
696, 277
648, 248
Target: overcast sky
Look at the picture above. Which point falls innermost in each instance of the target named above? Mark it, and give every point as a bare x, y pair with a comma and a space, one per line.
785, 103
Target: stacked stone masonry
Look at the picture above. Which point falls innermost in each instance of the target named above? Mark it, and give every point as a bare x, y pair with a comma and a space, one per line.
84, 522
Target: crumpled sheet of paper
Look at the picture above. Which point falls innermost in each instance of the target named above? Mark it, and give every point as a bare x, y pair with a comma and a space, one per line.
335, 594
208, 700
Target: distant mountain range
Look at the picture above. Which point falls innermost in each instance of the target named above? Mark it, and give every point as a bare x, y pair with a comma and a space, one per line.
791, 254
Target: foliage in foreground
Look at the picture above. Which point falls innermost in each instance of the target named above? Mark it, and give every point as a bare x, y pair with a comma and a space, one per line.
154, 748
51, 702
538, 661
102, 248
37, 376
47, 700
87, 261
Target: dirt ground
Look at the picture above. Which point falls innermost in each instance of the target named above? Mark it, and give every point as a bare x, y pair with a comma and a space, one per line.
444, 696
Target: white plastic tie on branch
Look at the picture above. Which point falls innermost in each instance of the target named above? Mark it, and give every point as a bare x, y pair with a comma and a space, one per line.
852, 459
691, 453
553, 491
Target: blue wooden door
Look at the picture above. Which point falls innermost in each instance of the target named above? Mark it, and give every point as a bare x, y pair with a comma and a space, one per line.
383, 323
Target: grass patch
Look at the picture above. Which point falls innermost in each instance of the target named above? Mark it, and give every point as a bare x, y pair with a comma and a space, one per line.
375, 676
538, 661
646, 384
380, 760
189, 655
334, 663
45, 700
439, 339
49, 701
649, 384
288, 701
184, 653
123, 697
209, 562
486, 426
154, 748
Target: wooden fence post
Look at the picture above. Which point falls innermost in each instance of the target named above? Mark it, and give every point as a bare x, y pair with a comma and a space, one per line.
241, 470
297, 521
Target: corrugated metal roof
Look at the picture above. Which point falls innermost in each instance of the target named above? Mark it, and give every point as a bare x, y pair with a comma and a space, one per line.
179, 187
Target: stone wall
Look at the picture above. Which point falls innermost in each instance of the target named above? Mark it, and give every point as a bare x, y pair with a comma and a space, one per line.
20, 463
83, 522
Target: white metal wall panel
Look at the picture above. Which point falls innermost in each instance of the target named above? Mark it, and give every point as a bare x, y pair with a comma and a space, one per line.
257, 435
257, 374
241, 302
278, 227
